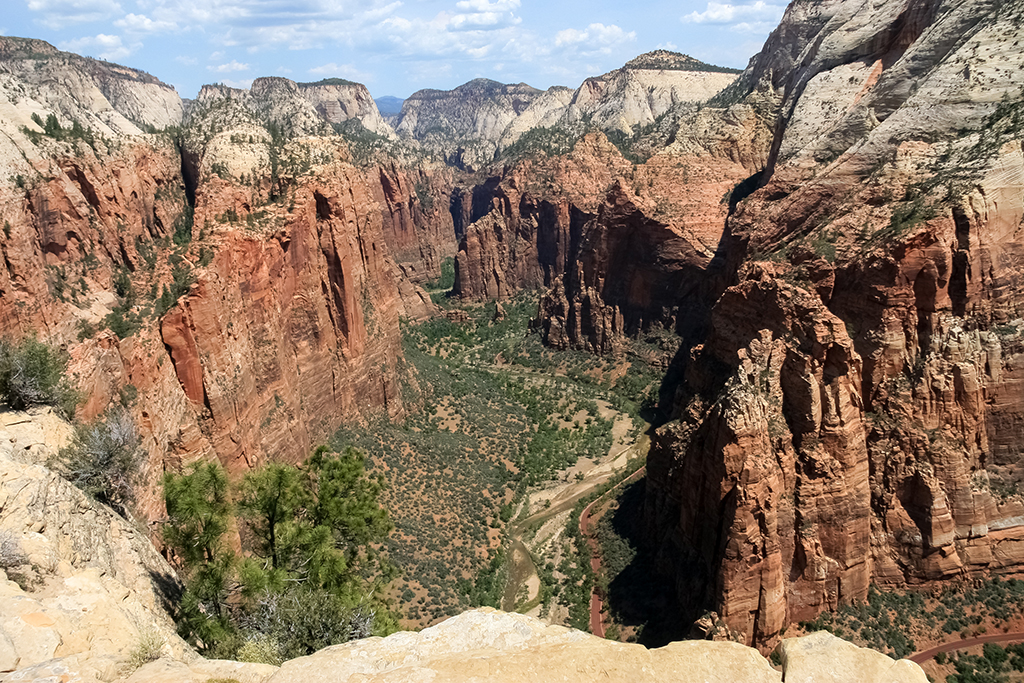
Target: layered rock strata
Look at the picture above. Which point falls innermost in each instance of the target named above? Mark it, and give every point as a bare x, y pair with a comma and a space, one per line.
472, 124
852, 414
248, 269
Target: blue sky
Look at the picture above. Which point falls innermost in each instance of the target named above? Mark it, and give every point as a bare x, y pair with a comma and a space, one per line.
393, 46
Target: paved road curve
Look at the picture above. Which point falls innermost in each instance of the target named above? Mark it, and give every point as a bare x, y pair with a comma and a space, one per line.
921, 657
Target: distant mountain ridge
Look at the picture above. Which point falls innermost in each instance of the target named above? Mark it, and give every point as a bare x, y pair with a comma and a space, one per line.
473, 122
389, 105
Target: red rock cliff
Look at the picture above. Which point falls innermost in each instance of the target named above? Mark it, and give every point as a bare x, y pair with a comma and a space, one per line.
290, 323
853, 413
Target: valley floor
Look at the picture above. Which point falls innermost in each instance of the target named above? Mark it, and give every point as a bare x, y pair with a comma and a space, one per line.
500, 429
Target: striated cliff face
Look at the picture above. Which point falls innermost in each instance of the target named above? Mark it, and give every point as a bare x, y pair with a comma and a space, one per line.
463, 125
623, 247
473, 123
107, 98
338, 101
644, 89
303, 108
243, 278
852, 413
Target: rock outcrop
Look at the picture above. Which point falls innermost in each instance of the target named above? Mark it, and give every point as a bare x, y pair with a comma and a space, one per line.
471, 124
645, 89
463, 125
92, 584
106, 98
484, 645
338, 100
852, 412
304, 108
624, 247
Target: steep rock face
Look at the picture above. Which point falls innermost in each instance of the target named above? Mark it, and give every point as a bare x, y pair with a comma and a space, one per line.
470, 124
302, 108
622, 246
287, 291
519, 230
418, 224
852, 414
74, 203
545, 111
99, 581
644, 89
72, 216
764, 479
287, 332
108, 98
338, 101
464, 124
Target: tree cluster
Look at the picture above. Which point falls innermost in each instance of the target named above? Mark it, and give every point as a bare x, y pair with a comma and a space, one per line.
310, 574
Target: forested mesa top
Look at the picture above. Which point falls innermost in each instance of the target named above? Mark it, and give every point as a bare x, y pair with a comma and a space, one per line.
666, 60
15, 49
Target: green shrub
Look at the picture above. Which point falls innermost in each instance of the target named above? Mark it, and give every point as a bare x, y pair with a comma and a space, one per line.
11, 554
35, 373
147, 649
299, 621
261, 649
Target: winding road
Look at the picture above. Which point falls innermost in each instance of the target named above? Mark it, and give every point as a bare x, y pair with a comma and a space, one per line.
522, 566
925, 655
596, 601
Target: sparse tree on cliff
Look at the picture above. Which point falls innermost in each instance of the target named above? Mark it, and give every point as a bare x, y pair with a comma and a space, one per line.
103, 459
198, 515
35, 373
310, 576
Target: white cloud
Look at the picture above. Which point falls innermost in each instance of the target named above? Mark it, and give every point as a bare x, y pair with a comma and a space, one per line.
243, 84
103, 46
482, 20
754, 27
347, 71
596, 38
570, 36
481, 15
140, 23
485, 6
725, 13
60, 13
186, 60
229, 67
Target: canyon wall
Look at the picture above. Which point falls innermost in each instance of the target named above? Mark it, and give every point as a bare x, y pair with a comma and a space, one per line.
852, 414
239, 284
835, 240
